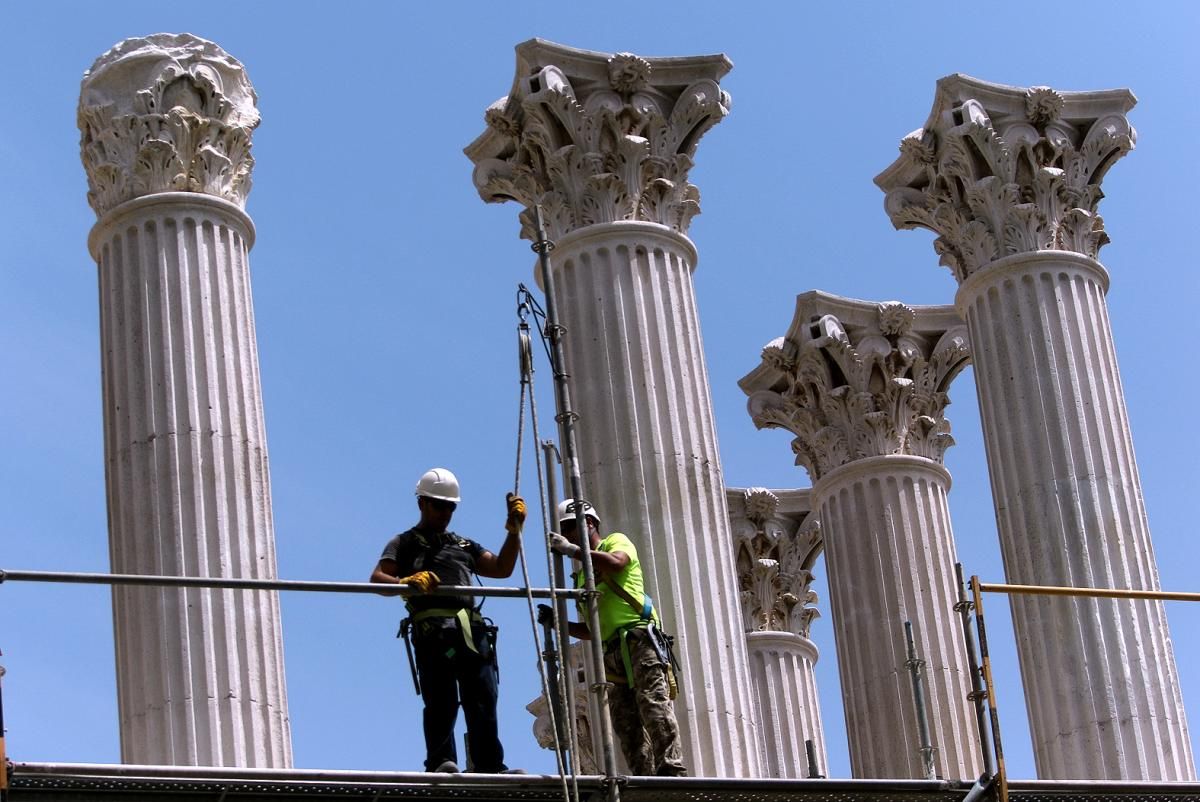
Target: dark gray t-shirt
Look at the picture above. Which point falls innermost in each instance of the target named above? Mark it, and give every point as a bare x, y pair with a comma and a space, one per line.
449, 556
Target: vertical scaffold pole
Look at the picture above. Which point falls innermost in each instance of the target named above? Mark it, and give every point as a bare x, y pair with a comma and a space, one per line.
566, 418
569, 720
915, 667
1001, 773
978, 695
3, 753
810, 751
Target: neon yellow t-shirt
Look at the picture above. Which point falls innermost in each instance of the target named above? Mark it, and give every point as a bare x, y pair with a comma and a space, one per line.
616, 612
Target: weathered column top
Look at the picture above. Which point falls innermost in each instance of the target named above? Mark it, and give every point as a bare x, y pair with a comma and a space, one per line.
599, 137
166, 113
779, 539
998, 170
855, 379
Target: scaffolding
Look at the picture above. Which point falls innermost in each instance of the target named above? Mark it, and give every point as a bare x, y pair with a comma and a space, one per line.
557, 690
983, 686
36, 777
69, 778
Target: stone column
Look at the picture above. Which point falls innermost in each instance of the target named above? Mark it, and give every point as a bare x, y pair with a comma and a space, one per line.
1010, 181
863, 388
166, 124
604, 144
578, 664
778, 540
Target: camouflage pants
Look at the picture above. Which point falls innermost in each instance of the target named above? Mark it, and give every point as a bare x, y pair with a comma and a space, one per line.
643, 716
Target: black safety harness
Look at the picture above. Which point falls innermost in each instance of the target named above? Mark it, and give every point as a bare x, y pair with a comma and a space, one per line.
467, 621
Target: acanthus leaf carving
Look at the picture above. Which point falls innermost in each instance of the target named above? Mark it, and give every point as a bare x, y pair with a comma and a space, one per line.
617, 150
1019, 175
775, 555
859, 391
189, 130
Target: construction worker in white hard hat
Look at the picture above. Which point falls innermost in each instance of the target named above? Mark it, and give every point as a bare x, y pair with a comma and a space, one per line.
455, 647
638, 658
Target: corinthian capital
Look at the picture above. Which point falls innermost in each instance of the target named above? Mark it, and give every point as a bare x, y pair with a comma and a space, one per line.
854, 379
597, 138
778, 539
999, 170
166, 113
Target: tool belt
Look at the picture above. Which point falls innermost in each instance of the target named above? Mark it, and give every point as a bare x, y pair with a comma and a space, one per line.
467, 621
662, 643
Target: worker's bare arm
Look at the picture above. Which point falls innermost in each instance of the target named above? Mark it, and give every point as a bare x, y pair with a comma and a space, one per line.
387, 573
609, 562
499, 566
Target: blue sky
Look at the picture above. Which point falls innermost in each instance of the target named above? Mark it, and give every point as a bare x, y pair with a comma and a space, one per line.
384, 300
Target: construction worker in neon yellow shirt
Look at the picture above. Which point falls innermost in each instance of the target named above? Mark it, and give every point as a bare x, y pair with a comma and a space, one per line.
636, 654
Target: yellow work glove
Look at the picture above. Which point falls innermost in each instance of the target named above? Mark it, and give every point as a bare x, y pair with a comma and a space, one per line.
516, 513
424, 581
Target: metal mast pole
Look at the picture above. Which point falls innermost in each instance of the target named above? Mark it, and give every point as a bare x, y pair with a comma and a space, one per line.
565, 701
3, 754
978, 695
915, 666
566, 418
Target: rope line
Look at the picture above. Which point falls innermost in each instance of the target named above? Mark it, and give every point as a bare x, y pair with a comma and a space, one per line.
565, 702
525, 360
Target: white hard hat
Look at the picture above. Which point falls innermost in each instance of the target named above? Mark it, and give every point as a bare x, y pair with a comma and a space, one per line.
438, 483
566, 511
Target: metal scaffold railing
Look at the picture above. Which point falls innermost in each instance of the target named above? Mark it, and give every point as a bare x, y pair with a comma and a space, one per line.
223, 583
556, 682
233, 583
983, 686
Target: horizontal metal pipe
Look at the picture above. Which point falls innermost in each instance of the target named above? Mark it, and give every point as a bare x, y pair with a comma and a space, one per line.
1107, 593
75, 578
232, 774
729, 784
393, 777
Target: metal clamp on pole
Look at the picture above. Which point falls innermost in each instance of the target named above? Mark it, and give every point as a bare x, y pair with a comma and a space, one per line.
981, 787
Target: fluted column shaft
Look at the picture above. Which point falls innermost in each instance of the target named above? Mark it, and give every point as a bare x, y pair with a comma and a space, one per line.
777, 540
649, 462
782, 665
1009, 179
200, 672
1100, 675
889, 550
166, 124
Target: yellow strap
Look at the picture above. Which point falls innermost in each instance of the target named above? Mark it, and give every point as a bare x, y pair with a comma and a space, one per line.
623, 635
464, 623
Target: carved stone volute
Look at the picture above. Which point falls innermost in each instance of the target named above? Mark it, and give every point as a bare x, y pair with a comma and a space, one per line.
166, 113
853, 380
596, 138
775, 555
998, 170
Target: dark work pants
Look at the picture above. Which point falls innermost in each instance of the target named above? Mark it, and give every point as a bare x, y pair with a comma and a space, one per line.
451, 672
